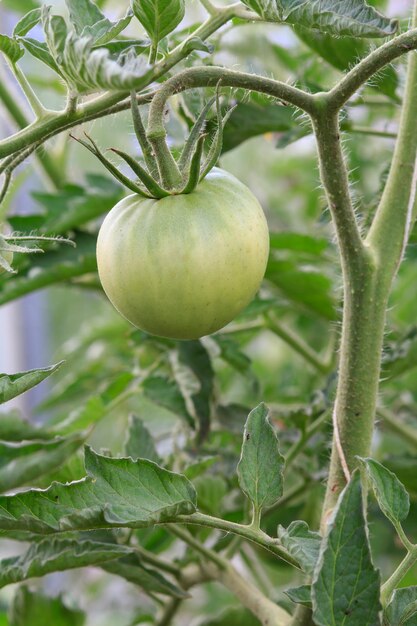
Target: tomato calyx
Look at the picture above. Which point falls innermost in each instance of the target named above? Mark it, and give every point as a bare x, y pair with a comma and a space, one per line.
159, 174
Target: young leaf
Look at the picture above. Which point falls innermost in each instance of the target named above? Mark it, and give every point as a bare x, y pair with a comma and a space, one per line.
12, 385
86, 70
300, 595
83, 13
39, 50
392, 497
104, 31
56, 555
261, 464
139, 443
302, 543
115, 493
22, 463
337, 17
158, 17
11, 48
32, 608
27, 22
346, 585
403, 601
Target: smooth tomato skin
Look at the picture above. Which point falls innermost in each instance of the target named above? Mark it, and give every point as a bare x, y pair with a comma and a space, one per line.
186, 265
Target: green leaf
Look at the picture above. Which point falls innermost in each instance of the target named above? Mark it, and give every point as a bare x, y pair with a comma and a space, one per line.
14, 428
40, 51
115, 493
392, 497
337, 17
343, 52
346, 585
27, 22
57, 555
303, 285
403, 600
300, 595
83, 13
251, 119
194, 375
12, 385
261, 465
11, 48
30, 607
298, 242
73, 205
165, 393
303, 544
139, 443
130, 568
400, 355
158, 17
85, 69
20, 464
210, 493
104, 31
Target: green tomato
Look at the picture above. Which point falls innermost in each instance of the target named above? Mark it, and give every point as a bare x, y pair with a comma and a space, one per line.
185, 265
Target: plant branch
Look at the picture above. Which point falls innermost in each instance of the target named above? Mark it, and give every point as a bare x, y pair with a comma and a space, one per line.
222, 571
396, 425
17, 115
305, 437
397, 210
105, 104
210, 77
297, 343
370, 65
394, 580
247, 532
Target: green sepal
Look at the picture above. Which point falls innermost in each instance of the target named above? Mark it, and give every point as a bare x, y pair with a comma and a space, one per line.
194, 135
93, 148
194, 173
216, 147
150, 183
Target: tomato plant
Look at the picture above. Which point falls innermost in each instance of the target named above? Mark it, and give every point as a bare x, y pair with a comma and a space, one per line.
251, 433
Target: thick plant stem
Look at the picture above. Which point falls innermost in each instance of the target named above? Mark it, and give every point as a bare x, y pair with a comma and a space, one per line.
368, 272
363, 317
397, 211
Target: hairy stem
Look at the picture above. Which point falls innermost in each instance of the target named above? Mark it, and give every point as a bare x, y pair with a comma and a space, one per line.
219, 569
370, 65
212, 76
394, 581
17, 115
247, 532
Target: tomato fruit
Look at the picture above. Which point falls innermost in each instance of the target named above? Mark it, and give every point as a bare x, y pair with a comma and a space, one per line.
183, 266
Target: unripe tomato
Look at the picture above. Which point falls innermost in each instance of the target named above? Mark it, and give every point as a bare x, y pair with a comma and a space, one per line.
185, 265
